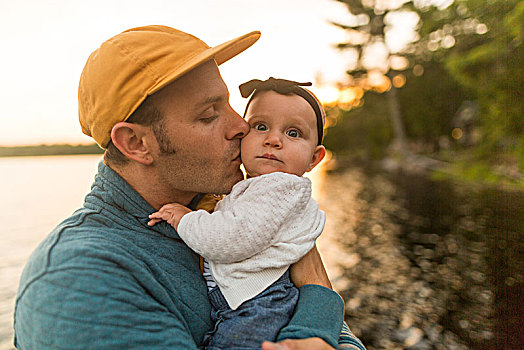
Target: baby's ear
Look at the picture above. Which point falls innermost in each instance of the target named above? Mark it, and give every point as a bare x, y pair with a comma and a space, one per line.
318, 155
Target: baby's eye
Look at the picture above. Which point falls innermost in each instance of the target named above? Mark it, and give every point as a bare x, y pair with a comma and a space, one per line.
293, 133
260, 127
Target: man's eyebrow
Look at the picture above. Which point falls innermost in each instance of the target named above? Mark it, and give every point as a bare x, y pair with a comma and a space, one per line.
208, 101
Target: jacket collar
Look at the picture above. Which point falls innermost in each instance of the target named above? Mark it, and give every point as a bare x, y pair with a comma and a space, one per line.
114, 194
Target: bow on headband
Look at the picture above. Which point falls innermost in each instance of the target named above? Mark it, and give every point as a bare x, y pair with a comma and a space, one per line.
286, 87
279, 85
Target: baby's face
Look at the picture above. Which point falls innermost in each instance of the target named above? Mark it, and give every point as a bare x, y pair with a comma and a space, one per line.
282, 136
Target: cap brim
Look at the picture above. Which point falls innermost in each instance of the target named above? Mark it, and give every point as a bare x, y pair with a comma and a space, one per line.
220, 54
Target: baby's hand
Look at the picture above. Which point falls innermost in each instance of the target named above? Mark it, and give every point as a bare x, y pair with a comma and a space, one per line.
172, 213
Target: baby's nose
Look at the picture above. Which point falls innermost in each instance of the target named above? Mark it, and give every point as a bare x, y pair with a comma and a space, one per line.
273, 140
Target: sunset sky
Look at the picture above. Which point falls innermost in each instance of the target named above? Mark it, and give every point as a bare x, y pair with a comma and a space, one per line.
45, 45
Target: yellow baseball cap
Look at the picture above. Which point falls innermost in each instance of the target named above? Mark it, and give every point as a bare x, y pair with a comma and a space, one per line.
136, 63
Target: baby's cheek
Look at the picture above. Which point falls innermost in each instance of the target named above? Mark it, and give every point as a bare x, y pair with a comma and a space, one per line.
245, 152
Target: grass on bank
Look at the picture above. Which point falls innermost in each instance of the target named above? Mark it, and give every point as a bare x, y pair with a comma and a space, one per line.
49, 150
475, 171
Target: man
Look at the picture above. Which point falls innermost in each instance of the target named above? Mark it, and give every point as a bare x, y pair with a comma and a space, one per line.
154, 99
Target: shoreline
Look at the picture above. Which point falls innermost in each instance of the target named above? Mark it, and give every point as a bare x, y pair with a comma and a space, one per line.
418, 261
49, 150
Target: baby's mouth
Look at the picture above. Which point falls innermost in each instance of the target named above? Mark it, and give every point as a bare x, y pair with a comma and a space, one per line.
269, 156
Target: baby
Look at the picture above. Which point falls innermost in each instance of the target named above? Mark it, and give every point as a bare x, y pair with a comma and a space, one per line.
267, 222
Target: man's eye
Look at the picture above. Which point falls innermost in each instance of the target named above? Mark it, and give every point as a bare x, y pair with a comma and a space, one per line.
293, 133
260, 127
208, 120
209, 115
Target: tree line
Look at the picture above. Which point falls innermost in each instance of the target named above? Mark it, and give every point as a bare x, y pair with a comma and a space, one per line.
454, 90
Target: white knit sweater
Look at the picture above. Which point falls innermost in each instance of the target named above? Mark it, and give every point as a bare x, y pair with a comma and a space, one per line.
264, 225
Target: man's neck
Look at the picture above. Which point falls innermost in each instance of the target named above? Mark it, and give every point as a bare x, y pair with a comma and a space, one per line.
144, 182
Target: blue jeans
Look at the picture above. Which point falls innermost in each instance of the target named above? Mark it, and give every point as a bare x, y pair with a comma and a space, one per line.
256, 320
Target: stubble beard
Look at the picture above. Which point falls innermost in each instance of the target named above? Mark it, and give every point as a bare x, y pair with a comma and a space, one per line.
222, 182
185, 173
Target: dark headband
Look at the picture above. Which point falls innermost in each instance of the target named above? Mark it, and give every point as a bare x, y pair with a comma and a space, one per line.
285, 87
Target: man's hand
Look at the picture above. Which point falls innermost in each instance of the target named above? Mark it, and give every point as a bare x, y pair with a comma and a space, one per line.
172, 213
310, 270
297, 344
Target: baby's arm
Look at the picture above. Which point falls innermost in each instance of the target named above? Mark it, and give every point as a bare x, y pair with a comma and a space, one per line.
248, 220
172, 213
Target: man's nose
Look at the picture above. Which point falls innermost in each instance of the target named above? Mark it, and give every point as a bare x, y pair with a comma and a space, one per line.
238, 127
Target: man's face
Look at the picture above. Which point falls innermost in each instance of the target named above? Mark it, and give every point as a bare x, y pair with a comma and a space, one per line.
204, 133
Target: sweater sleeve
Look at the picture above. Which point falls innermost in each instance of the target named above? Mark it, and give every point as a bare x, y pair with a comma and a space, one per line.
95, 306
249, 219
319, 313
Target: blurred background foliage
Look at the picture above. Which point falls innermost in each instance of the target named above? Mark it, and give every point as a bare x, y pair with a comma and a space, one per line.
452, 90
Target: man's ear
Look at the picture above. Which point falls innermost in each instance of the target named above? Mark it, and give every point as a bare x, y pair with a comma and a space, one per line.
318, 155
134, 141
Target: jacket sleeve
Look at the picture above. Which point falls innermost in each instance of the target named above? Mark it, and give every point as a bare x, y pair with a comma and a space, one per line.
248, 221
95, 307
319, 313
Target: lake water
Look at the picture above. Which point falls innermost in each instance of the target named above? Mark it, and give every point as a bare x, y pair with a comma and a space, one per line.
36, 193
420, 264
438, 264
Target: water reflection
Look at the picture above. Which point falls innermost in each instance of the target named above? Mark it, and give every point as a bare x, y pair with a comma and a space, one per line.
436, 266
